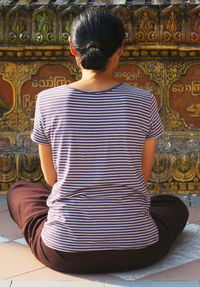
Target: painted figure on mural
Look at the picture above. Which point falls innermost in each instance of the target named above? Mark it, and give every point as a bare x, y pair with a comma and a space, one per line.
6, 96
3, 107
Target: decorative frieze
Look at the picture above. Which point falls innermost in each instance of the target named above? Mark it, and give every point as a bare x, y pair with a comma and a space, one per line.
161, 54
50, 25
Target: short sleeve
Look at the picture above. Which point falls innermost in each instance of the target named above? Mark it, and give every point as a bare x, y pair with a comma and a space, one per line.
38, 134
156, 126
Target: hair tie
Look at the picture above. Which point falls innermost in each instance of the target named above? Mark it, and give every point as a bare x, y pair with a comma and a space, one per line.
93, 44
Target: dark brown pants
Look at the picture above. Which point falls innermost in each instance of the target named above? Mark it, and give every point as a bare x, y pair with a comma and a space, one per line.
27, 206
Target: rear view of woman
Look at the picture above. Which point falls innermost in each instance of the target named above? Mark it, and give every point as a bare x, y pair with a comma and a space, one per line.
96, 143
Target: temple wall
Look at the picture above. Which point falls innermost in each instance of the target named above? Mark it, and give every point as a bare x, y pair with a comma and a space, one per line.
162, 55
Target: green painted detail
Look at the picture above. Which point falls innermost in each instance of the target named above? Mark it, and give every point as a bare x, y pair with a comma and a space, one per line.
44, 28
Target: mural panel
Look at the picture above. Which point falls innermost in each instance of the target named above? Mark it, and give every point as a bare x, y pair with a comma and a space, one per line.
48, 76
184, 96
135, 76
6, 96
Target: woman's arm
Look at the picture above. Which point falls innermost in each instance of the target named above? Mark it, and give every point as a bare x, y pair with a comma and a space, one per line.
46, 159
147, 157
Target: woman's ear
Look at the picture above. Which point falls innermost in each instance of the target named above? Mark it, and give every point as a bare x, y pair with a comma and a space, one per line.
120, 50
72, 50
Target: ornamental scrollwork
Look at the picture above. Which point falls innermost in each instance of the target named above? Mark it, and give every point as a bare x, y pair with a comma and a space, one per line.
1, 28
8, 171
18, 26
174, 70
66, 19
156, 70
74, 69
44, 26
195, 25
16, 121
126, 15
147, 25
173, 122
172, 25
18, 72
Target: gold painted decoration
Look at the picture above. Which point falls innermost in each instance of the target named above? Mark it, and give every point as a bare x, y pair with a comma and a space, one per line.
44, 26
8, 170
65, 21
194, 25
184, 169
29, 167
184, 96
47, 76
135, 76
173, 25
161, 169
127, 17
17, 26
147, 25
6, 96
1, 27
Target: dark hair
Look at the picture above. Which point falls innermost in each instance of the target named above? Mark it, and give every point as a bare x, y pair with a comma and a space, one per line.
96, 34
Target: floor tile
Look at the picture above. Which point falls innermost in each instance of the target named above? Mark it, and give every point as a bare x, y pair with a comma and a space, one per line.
3, 208
185, 249
194, 212
44, 273
3, 239
188, 271
21, 241
8, 228
16, 259
195, 199
3, 200
185, 198
153, 284
5, 283
57, 284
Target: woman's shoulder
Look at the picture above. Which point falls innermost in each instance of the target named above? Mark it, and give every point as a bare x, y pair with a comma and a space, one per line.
54, 91
136, 90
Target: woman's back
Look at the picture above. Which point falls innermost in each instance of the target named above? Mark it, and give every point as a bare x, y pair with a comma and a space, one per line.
97, 140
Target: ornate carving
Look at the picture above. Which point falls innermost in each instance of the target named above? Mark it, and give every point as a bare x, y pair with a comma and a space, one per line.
147, 25
194, 110
18, 72
16, 121
65, 22
184, 168
161, 169
29, 167
155, 69
126, 15
17, 25
6, 96
74, 69
172, 25
7, 168
174, 70
173, 122
1, 28
44, 26
184, 94
195, 25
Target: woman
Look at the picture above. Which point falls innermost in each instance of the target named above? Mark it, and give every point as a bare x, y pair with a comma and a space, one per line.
96, 143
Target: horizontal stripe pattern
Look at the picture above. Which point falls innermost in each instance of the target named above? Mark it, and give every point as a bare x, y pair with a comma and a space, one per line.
99, 201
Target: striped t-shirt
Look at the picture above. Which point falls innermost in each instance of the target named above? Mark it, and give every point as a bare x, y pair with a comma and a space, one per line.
99, 201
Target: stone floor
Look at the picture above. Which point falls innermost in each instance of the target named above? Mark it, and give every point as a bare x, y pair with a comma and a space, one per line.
181, 267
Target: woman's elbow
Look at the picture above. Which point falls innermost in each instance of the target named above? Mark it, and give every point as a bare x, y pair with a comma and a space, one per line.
51, 180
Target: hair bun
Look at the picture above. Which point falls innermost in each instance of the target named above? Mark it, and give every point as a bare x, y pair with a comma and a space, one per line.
93, 44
